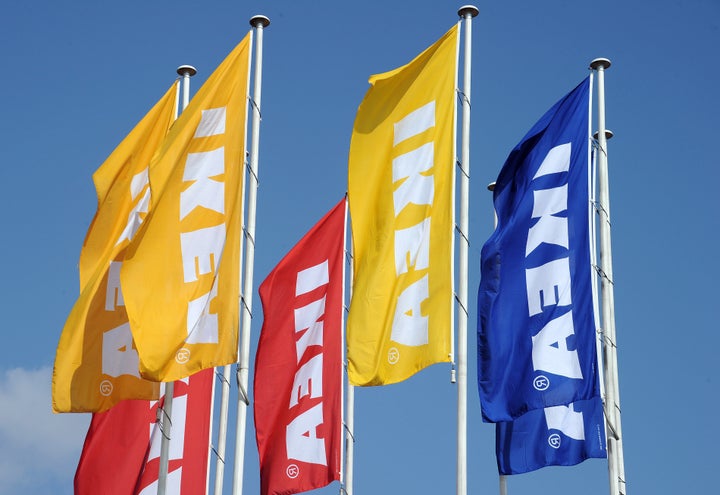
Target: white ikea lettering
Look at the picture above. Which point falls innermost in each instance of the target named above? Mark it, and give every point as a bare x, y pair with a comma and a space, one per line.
118, 355
549, 228
412, 247
138, 184
567, 420
301, 439
549, 285
414, 184
415, 188
113, 293
549, 201
312, 278
172, 483
306, 318
211, 123
550, 351
202, 326
201, 250
308, 380
410, 327
414, 123
557, 160
203, 191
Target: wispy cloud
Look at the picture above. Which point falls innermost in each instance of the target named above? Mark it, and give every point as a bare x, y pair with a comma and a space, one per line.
39, 450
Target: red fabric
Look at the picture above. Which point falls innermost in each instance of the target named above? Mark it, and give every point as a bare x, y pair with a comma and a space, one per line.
278, 402
120, 455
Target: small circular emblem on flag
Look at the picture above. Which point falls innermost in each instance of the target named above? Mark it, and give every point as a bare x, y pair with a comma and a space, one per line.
393, 355
182, 356
541, 382
554, 441
106, 387
292, 471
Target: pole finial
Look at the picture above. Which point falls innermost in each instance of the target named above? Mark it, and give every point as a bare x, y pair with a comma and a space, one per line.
608, 134
491, 186
188, 70
468, 9
259, 20
600, 63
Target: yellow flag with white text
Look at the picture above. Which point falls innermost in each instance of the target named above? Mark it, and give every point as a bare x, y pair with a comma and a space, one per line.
400, 189
96, 364
181, 273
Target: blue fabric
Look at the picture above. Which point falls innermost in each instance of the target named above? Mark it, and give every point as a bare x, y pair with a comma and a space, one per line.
529, 443
516, 374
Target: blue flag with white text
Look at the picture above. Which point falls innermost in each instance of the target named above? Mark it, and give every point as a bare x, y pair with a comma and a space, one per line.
554, 436
536, 330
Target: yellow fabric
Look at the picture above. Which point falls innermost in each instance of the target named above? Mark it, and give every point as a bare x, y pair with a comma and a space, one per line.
181, 276
400, 318
96, 365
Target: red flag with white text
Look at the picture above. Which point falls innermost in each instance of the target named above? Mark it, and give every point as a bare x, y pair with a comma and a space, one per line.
121, 455
298, 366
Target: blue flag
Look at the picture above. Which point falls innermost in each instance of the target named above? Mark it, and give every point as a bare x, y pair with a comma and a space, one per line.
554, 436
536, 330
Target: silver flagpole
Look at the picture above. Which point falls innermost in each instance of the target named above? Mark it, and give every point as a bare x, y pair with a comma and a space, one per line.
349, 438
347, 482
226, 371
186, 72
466, 12
502, 485
222, 428
259, 22
612, 407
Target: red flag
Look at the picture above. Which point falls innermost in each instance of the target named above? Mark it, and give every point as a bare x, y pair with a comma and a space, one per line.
298, 369
122, 447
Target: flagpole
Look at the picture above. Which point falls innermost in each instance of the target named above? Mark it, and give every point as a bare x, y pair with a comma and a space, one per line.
186, 72
466, 12
502, 485
222, 429
259, 22
615, 454
347, 480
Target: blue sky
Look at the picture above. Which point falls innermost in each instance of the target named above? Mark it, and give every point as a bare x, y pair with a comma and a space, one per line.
78, 76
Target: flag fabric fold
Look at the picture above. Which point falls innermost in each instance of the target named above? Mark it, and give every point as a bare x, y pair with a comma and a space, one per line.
298, 366
96, 364
181, 274
536, 330
401, 194
555, 436
122, 447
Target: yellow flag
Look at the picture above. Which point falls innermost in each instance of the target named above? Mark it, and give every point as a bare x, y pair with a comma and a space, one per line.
96, 364
401, 177
180, 276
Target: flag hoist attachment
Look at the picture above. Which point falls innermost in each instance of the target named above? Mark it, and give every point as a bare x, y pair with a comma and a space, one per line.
616, 463
259, 23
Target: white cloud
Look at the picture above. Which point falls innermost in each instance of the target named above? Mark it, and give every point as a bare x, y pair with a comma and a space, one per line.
39, 450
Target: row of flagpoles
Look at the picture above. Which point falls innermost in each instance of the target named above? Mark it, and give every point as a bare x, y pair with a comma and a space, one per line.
176, 215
